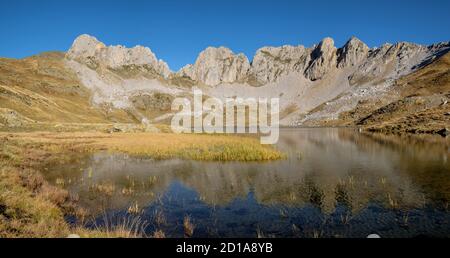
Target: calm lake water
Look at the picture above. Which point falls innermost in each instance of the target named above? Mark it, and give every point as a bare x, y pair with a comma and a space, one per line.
335, 183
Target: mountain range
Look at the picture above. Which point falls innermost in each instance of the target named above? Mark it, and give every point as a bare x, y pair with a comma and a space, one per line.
394, 87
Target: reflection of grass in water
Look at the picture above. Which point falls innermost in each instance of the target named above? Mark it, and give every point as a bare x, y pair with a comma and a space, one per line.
342, 196
152, 180
127, 191
353, 185
283, 213
260, 233
60, 182
103, 188
392, 203
159, 218
29, 207
41, 207
134, 209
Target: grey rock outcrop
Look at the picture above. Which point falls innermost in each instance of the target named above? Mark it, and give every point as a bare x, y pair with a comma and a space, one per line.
302, 78
323, 58
270, 63
217, 65
353, 53
88, 50
390, 61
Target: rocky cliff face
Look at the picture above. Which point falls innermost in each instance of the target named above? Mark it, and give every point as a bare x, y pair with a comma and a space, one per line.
323, 59
353, 53
271, 63
220, 65
390, 61
217, 65
320, 85
304, 79
88, 50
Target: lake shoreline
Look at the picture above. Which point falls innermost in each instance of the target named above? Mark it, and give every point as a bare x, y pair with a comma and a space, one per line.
26, 156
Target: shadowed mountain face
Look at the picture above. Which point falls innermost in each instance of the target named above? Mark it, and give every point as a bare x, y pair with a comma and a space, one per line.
320, 85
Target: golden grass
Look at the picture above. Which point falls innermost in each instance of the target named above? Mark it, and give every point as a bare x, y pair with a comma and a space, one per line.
192, 147
160, 146
43, 89
31, 207
24, 213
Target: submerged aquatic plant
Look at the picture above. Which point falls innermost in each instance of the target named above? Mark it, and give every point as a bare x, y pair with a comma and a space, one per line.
188, 226
159, 217
134, 209
260, 233
103, 188
90, 172
60, 182
392, 203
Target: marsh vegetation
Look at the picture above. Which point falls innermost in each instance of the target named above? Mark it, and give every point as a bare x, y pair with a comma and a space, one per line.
327, 183
31, 206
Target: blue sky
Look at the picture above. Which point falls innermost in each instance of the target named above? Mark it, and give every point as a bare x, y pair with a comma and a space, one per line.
178, 30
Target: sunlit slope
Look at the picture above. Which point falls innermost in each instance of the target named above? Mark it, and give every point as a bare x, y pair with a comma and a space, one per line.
41, 88
423, 104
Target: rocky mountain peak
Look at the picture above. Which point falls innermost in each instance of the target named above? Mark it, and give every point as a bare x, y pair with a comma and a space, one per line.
83, 47
218, 65
270, 63
352, 53
323, 59
90, 51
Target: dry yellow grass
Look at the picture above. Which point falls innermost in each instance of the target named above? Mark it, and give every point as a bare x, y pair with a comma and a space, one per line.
160, 145
423, 106
43, 89
30, 207
27, 213
194, 147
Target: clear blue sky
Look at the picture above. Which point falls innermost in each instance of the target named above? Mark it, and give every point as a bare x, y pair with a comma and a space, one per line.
178, 30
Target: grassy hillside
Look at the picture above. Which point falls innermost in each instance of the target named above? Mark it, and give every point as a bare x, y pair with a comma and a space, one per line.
423, 105
41, 88
416, 104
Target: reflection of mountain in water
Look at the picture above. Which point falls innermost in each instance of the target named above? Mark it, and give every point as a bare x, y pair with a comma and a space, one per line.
325, 167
